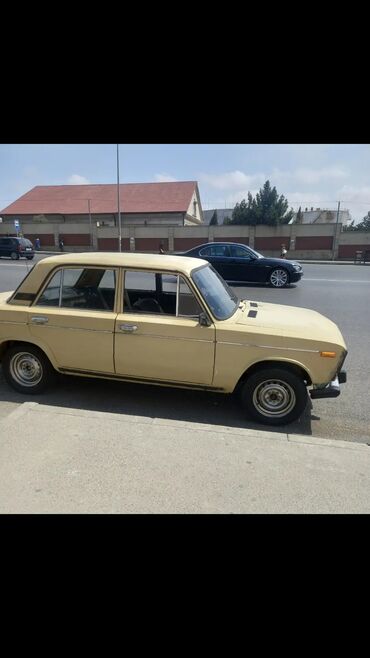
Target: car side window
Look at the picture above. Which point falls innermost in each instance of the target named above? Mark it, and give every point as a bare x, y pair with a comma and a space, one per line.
88, 289
215, 250
50, 295
188, 304
240, 252
149, 292
156, 292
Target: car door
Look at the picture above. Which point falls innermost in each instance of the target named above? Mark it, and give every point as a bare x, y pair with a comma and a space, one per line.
74, 316
158, 335
219, 256
243, 264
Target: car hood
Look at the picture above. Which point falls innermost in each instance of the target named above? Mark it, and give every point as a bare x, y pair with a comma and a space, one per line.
280, 262
5, 295
290, 321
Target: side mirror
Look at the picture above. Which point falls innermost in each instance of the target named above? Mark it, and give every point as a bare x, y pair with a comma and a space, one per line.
204, 320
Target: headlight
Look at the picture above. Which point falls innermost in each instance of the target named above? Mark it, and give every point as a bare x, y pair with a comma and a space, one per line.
297, 267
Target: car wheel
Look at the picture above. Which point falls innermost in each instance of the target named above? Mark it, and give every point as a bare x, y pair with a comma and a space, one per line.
27, 369
29, 257
274, 396
14, 255
279, 278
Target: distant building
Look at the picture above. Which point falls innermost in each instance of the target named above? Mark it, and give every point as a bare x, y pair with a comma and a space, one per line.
152, 204
221, 214
322, 216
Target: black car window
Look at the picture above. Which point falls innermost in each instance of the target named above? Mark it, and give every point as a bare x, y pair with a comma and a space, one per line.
25, 243
205, 252
215, 250
240, 252
5, 242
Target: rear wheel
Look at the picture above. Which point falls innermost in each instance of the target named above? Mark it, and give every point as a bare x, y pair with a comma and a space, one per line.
274, 396
14, 255
279, 277
27, 369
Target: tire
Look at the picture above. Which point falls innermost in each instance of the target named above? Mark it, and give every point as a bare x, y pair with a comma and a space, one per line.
279, 277
29, 257
14, 255
27, 369
274, 396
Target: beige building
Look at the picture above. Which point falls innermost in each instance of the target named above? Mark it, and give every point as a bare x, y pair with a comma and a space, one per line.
141, 204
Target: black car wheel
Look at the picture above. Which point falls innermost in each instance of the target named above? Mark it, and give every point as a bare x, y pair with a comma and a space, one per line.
279, 277
29, 257
274, 396
14, 255
27, 369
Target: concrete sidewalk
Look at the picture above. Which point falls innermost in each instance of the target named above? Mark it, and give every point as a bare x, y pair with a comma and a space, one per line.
60, 460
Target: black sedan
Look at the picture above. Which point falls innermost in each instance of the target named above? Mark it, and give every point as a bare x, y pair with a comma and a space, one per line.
237, 262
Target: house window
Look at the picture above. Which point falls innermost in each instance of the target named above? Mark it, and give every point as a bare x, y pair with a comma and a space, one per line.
195, 208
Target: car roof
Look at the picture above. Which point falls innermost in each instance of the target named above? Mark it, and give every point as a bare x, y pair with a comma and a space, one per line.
208, 244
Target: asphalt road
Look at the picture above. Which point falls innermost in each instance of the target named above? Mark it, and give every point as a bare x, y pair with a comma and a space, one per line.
341, 292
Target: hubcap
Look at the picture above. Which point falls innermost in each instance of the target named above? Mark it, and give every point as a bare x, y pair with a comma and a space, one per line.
279, 278
274, 398
26, 369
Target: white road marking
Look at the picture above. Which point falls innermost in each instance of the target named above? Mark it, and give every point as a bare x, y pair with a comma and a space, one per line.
338, 280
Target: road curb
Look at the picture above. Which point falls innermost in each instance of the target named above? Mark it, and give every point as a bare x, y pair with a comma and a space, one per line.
237, 432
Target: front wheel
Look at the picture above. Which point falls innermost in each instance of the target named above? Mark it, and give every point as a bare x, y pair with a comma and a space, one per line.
279, 278
29, 257
274, 396
27, 369
14, 255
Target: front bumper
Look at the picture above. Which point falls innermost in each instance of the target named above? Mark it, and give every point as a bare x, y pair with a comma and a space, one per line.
295, 276
332, 389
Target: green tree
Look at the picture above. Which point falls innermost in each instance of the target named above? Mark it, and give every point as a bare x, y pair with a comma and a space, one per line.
244, 212
365, 224
361, 226
299, 217
214, 221
266, 208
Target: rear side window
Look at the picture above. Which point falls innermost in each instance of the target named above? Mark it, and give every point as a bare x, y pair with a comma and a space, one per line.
5, 242
25, 243
88, 289
215, 250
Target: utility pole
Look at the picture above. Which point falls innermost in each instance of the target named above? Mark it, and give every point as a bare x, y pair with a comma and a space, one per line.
119, 209
335, 233
91, 243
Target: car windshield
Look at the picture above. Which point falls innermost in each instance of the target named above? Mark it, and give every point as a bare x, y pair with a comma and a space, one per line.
219, 296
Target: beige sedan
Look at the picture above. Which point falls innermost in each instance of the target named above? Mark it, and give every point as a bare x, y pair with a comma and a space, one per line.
165, 320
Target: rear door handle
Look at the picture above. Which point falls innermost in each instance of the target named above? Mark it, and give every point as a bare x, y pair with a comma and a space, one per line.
39, 319
129, 328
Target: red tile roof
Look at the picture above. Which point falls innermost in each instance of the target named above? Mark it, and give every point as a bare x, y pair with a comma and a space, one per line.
134, 198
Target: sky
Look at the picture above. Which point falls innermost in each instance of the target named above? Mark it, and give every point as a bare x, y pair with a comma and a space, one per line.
308, 175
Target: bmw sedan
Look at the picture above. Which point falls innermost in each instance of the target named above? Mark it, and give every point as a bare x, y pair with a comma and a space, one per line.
237, 262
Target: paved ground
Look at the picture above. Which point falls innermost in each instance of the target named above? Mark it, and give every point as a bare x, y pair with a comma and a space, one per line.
55, 460
340, 292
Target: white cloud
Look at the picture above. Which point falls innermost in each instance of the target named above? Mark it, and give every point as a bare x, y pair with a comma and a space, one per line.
232, 180
76, 179
356, 198
165, 178
307, 175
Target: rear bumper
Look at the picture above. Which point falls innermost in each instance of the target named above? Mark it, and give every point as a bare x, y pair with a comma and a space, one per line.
331, 390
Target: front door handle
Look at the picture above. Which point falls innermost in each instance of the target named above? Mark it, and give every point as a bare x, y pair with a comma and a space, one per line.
129, 328
39, 319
